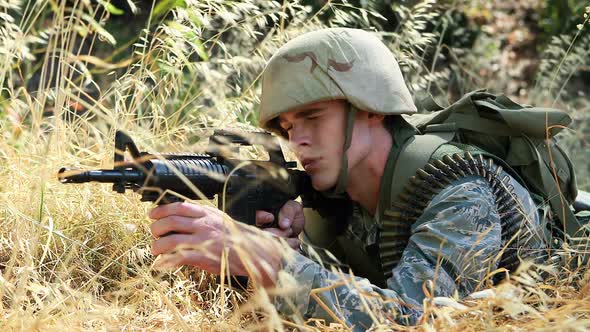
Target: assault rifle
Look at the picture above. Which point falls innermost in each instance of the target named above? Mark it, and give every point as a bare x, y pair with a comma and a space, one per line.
242, 186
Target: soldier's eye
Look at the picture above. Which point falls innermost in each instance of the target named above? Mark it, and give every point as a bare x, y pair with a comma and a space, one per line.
285, 126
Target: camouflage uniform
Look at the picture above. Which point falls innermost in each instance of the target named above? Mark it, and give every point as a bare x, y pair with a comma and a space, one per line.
454, 244
455, 241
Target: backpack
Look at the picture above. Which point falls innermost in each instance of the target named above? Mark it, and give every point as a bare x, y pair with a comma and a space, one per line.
521, 138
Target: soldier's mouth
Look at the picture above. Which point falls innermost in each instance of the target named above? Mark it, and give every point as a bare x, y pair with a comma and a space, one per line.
309, 164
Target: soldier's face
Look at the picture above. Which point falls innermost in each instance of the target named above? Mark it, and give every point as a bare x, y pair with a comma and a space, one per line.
316, 135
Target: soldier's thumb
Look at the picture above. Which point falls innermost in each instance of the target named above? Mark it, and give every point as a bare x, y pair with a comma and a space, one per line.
287, 214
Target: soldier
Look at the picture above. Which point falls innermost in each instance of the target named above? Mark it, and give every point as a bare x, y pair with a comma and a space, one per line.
337, 95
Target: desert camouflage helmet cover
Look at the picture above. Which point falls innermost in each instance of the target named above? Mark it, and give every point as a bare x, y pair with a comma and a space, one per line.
336, 63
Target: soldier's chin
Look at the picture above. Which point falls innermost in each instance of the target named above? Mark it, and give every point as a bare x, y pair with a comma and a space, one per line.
320, 183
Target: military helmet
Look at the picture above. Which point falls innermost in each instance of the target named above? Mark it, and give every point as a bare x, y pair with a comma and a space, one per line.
335, 63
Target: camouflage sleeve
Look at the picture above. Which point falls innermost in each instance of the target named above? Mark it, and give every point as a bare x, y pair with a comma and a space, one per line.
453, 244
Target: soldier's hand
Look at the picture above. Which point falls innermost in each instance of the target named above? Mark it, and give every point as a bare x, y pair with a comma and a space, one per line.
201, 236
291, 222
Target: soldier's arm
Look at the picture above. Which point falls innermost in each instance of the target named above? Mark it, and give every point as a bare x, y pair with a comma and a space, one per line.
453, 244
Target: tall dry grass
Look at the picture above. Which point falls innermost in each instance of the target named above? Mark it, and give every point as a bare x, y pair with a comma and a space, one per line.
77, 257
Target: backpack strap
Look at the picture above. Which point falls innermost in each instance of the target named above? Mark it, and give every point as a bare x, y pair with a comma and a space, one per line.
571, 226
395, 223
415, 154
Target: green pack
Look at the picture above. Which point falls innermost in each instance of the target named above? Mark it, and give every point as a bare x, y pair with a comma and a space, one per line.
520, 137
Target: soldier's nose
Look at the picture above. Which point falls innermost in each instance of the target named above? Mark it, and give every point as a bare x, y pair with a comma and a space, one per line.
299, 138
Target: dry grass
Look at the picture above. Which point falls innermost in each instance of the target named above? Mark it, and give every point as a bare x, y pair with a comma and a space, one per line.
77, 257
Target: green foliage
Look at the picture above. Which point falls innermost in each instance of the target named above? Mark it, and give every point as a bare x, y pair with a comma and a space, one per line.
565, 56
561, 16
163, 7
199, 63
112, 9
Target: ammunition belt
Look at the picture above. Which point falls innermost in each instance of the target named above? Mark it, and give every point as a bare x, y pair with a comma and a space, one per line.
429, 181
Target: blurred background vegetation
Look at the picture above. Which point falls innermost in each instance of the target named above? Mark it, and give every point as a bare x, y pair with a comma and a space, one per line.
167, 63
169, 71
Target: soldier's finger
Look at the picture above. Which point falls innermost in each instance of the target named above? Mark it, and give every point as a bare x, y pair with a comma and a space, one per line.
176, 224
167, 262
178, 209
296, 217
298, 222
294, 243
168, 244
287, 214
187, 257
285, 223
280, 232
199, 259
263, 218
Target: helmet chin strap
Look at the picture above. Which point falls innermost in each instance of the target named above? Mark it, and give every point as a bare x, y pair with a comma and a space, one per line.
340, 187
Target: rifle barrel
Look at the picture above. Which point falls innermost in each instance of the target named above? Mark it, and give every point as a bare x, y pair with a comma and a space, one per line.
69, 175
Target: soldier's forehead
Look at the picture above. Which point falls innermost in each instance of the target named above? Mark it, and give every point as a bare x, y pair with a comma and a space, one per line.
299, 113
